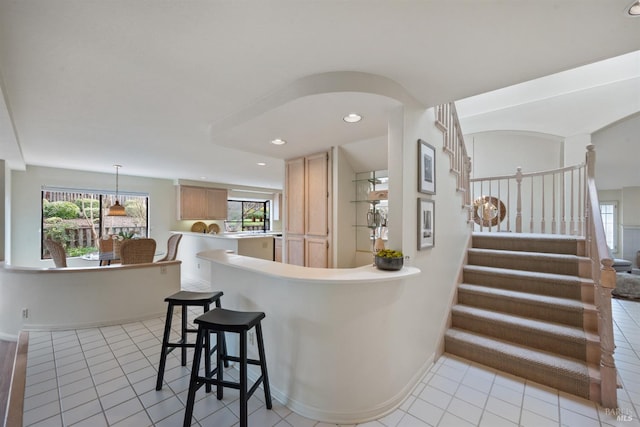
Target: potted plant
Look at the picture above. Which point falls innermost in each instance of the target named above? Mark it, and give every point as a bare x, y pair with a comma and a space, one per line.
388, 259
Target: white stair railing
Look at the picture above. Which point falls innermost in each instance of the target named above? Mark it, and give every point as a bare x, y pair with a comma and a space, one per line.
604, 278
549, 201
453, 144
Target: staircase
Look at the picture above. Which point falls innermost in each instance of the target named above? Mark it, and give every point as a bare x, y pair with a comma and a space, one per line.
523, 308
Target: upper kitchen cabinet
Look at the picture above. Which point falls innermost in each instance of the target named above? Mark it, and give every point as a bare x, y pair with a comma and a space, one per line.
308, 206
201, 202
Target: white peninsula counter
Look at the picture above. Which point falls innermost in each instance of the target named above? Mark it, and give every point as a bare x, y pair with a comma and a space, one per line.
256, 245
333, 337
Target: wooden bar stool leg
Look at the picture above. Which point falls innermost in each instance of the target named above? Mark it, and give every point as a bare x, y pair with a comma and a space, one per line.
184, 335
219, 366
224, 341
207, 354
193, 383
164, 351
243, 379
263, 367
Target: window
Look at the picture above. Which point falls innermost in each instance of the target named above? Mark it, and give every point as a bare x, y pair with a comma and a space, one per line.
78, 218
248, 215
609, 213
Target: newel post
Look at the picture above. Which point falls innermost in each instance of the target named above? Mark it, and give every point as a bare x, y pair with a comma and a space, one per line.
608, 375
519, 200
591, 161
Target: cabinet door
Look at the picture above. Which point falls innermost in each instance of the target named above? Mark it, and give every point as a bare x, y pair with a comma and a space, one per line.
294, 193
192, 203
295, 250
316, 252
277, 249
317, 192
216, 200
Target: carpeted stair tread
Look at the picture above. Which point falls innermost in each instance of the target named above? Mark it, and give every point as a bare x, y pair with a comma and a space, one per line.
563, 373
555, 243
552, 284
534, 299
525, 324
546, 256
543, 307
570, 341
529, 261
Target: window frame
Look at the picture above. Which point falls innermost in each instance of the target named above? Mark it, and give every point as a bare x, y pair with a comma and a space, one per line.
105, 199
614, 223
266, 227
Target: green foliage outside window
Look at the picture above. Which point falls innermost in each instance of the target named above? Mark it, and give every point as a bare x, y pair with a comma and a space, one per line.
64, 210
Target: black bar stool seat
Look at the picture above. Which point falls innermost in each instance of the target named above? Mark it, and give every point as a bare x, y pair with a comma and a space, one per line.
185, 299
220, 320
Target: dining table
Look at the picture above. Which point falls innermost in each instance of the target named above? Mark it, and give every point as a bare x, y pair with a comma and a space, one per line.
106, 258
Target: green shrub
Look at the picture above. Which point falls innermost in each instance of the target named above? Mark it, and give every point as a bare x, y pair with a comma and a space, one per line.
64, 210
88, 207
57, 230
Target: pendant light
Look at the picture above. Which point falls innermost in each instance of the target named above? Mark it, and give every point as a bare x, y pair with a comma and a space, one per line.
116, 209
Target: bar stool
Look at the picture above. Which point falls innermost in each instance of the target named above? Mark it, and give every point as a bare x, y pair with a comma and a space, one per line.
220, 320
185, 299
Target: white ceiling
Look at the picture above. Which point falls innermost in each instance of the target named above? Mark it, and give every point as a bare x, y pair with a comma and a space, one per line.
196, 90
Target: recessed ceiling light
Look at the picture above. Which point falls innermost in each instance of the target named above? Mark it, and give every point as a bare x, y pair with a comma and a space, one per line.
278, 141
634, 9
352, 118
261, 164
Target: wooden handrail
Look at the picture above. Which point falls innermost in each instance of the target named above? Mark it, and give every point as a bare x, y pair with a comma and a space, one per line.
604, 278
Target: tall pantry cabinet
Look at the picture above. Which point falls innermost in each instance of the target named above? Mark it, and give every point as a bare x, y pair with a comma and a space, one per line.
307, 228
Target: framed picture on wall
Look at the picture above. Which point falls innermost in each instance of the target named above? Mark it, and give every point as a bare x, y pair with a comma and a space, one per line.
426, 168
426, 223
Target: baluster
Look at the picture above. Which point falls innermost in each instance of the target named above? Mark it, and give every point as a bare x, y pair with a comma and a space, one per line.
542, 223
519, 200
581, 192
531, 217
563, 218
554, 212
572, 226
508, 204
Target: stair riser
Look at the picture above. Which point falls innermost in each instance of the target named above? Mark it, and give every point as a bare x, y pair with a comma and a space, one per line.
543, 375
522, 308
560, 246
512, 333
530, 284
525, 263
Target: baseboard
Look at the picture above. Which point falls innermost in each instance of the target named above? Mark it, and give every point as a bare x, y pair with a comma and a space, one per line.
359, 417
15, 405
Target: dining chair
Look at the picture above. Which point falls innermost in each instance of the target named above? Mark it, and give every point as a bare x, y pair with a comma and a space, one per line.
58, 254
172, 248
106, 246
137, 251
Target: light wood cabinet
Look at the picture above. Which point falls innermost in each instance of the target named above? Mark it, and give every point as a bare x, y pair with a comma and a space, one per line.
308, 207
277, 249
201, 202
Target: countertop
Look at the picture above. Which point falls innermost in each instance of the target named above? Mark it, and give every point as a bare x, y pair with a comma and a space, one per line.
367, 273
231, 235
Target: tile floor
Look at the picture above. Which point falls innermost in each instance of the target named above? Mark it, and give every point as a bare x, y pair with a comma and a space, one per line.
106, 377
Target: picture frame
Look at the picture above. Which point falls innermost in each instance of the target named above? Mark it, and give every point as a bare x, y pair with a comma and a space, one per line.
426, 168
426, 223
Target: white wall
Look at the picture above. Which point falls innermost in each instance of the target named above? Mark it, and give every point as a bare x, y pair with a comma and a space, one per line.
26, 207
3, 204
428, 296
344, 211
499, 153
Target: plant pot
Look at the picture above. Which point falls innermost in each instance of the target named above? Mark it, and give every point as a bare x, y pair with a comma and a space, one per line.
384, 263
